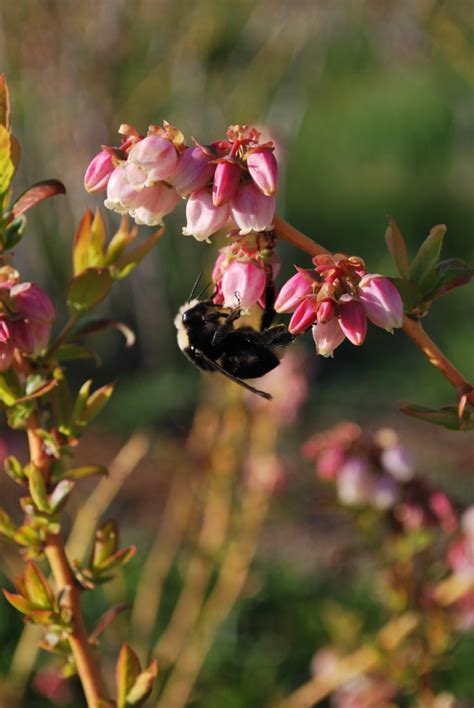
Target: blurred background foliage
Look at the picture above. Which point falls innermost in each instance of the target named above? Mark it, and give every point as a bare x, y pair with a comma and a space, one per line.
371, 104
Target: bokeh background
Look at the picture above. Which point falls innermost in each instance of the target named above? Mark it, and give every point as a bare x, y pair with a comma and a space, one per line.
371, 103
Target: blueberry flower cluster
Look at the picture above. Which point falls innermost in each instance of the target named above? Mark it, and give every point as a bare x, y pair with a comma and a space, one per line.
26, 315
336, 298
229, 182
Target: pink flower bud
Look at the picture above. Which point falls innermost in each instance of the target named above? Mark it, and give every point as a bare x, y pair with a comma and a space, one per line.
243, 283
330, 462
153, 203
252, 210
194, 171
326, 311
381, 301
151, 160
98, 173
121, 196
352, 319
263, 169
203, 218
30, 301
294, 290
467, 521
304, 315
6, 345
226, 181
355, 483
327, 337
31, 336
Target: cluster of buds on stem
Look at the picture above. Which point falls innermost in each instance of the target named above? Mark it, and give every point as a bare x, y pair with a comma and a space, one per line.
229, 182
245, 270
336, 298
26, 316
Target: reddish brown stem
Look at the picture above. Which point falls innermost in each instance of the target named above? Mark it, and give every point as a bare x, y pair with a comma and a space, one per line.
86, 664
412, 328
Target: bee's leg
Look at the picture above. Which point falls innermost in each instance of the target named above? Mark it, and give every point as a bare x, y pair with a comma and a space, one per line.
277, 336
268, 313
227, 326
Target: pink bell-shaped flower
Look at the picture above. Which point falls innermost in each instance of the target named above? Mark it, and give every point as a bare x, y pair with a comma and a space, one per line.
226, 181
154, 203
151, 160
121, 196
294, 290
6, 345
352, 319
203, 218
98, 172
263, 169
304, 315
251, 210
194, 171
243, 284
381, 301
327, 337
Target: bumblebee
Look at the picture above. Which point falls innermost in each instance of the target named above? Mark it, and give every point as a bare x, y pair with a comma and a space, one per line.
208, 337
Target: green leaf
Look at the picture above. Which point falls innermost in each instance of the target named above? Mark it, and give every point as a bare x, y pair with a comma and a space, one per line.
6, 163
106, 542
423, 268
128, 261
7, 527
87, 471
126, 673
5, 118
37, 193
409, 292
451, 273
36, 588
8, 395
14, 469
396, 246
75, 352
19, 414
80, 249
143, 685
446, 416
97, 241
14, 232
95, 403
87, 289
38, 489
120, 241
119, 558
80, 403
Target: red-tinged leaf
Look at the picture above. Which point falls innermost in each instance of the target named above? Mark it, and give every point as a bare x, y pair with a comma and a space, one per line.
97, 241
36, 194
128, 261
15, 152
127, 671
7, 527
93, 326
75, 352
107, 619
5, 118
80, 247
409, 292
41, 391
121, 557
450, 274
41, 617
87, 289
19, 603
423, 268
26, 536
143, 685
37, 588
396, 246
446, 416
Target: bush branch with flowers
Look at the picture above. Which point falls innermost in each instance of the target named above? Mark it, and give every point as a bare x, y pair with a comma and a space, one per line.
228, 184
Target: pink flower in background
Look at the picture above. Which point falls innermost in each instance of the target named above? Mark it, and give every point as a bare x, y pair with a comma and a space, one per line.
35, 311
398, 460
263, 168
194, 170
6, 345
243, 284
251, 210
355, 483
151, 160
226, 181
98, 172
203, 218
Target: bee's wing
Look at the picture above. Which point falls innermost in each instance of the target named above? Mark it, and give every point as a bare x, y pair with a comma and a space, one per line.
217, 367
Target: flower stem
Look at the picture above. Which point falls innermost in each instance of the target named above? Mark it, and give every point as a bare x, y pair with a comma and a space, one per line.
86, 664
412, 328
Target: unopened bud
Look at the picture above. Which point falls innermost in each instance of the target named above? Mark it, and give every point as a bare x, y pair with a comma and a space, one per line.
294, 290
352, 319
226, 181
263, 169
98, 172
194, 171
304, 315
381, 301
151, 160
